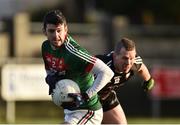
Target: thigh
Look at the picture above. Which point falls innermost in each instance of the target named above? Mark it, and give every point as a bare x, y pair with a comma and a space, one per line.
114, 116
83, 116
110, 102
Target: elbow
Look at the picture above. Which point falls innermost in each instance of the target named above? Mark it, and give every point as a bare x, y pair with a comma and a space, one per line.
111, 74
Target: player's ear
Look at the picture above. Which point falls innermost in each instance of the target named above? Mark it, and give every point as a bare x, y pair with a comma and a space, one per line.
44, 31
66, 28
115, 56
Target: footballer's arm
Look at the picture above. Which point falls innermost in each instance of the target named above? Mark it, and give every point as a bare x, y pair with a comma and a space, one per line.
103, 75
144, 72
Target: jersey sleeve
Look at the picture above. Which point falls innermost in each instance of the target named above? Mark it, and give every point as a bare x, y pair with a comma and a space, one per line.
137, 64
102, 57
103, 76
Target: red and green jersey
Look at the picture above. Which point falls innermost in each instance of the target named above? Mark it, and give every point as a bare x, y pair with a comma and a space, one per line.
75, 63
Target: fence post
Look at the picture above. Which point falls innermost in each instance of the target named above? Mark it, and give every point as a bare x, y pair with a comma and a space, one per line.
10, 112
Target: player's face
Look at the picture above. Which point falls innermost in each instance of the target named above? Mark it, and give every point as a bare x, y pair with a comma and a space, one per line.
56, 34
125, 60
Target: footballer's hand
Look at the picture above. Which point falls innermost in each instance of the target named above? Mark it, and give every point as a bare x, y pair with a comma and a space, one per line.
51, 80
79, 98
148, 85
69, 105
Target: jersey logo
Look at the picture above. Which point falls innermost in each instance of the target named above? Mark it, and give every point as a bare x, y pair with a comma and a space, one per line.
117, 79
121, 78
54, 63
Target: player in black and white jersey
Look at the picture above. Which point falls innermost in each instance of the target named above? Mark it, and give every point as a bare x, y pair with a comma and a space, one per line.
124, 61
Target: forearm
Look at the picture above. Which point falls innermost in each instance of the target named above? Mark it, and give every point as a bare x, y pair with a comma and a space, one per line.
144, 73
148, 80
104, 75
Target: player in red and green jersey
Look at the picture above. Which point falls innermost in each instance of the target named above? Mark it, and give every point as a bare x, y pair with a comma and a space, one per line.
64, 58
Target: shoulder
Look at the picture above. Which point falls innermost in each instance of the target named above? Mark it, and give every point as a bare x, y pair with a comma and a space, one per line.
106, 58
72, 46
72, 42
138, 63
138, 60
78, 52
45, 44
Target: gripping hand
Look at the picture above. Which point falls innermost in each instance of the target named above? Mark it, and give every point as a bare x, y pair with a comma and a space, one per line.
78, 100
51, 80
148, 85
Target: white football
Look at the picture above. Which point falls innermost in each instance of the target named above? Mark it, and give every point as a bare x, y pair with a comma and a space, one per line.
62, 88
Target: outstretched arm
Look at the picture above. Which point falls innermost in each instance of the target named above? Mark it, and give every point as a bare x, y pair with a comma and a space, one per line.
144, 72
148, 80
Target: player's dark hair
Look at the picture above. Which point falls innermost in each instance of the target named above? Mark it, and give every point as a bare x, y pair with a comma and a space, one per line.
54, 17
126, 43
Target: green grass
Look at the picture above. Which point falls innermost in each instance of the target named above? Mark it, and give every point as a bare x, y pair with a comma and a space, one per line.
57, 120
167, 120
47, 113
44, 112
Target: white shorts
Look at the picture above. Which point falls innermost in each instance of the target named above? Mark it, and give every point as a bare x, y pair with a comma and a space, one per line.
83, 116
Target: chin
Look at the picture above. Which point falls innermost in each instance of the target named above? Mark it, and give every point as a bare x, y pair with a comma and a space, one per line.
57, 45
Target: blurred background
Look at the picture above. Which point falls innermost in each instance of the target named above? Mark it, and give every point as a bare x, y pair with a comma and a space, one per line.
97, 25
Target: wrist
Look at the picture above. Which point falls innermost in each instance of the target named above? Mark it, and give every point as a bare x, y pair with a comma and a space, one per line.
146, 81
148, 85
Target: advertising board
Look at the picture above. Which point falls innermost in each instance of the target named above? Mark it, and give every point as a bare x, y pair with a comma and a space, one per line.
24, 82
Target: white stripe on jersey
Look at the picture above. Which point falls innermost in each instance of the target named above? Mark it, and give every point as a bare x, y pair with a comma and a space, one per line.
138, 60
79, 53
109, 63
109, 54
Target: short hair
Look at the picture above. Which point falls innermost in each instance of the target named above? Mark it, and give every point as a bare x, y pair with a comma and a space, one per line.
54, 17
126, 43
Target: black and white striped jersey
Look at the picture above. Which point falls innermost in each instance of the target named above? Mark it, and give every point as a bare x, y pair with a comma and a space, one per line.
119, 78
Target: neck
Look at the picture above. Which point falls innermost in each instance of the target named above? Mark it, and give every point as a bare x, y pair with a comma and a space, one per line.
53, 47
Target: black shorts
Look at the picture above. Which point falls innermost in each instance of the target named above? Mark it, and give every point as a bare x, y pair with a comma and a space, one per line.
110, 102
